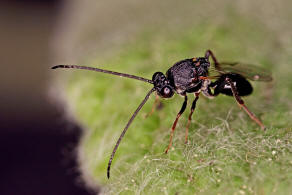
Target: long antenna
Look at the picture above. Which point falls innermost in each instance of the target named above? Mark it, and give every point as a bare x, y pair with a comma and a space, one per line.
125, 130
104, 71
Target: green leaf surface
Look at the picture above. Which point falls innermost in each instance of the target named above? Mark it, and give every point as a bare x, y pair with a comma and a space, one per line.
227, 152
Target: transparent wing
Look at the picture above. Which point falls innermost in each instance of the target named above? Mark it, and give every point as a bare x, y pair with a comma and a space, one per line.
249, 71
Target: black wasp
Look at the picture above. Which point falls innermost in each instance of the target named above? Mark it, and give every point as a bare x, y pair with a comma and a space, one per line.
194, 75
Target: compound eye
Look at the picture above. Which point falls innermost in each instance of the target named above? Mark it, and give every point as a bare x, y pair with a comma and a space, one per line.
166, 91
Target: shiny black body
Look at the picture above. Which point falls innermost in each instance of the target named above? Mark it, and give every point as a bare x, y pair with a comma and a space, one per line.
185, 77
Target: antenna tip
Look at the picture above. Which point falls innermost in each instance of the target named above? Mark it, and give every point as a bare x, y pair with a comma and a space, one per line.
57, 66
108, 170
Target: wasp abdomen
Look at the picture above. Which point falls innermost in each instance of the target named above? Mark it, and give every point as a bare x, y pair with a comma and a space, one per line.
243, 87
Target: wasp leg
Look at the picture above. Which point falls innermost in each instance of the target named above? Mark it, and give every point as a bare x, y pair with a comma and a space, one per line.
190, 116
174, 124
210, 53
153, 106
242, 105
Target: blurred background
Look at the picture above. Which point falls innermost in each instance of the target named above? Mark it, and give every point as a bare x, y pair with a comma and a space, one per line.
37, 139
37, 146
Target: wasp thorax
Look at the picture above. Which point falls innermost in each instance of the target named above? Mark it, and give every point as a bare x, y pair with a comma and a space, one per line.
202, 65
162, 85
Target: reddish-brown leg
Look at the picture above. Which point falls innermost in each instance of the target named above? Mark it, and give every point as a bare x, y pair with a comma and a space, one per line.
175, 122
242, 105
190, 116
153, 106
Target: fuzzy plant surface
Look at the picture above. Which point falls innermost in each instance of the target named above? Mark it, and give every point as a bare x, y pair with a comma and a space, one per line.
227, 152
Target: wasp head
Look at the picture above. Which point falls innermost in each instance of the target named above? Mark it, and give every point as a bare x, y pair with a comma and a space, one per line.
162, 85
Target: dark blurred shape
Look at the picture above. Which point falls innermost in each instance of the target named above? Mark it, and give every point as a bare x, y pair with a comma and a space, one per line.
39, 163
36, 147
